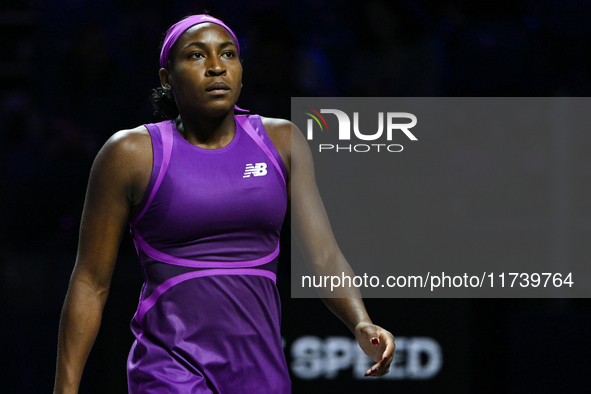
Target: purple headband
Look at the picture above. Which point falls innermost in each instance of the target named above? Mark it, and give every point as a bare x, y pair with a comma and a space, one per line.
179, 28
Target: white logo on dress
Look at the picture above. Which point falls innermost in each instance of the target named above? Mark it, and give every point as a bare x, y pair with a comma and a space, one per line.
258, 169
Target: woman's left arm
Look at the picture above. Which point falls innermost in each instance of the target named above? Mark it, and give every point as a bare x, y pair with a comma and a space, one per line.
313, 233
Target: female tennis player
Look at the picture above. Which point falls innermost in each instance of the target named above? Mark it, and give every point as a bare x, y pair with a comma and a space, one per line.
205, 194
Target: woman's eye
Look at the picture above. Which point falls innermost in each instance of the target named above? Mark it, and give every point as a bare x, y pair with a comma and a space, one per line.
229, 54
196, 55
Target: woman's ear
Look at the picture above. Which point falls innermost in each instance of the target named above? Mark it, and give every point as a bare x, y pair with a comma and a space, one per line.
164, 78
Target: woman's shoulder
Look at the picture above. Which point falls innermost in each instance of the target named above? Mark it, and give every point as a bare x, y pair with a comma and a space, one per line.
280, 128
279, 131
130, 139
127, 149
277, 124
128, 144
285, 133
126, 159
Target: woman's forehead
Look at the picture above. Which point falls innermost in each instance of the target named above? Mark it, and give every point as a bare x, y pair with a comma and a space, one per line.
206, 32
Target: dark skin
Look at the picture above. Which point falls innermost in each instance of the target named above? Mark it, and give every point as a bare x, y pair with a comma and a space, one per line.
205, 76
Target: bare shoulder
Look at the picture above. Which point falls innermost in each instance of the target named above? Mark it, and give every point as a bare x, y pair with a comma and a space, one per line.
131, 141
286, 133
127, 147
126, 158
277, 128
277, 124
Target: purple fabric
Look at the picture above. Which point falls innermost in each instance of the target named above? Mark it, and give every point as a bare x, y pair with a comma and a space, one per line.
157, 255
227, 344
180, 27
205, 210
159, 272
157, 164
206, 324
243, 121
149, 302
166, 141
257, 124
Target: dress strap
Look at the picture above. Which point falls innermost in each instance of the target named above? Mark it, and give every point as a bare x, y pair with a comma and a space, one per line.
242, 120
165, 132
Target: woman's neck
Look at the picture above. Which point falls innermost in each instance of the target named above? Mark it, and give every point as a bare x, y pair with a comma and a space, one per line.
208, 133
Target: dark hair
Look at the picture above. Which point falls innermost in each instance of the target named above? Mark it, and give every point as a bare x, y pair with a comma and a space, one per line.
162, 99
163, 103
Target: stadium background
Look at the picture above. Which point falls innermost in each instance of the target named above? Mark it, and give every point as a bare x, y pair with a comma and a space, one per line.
72, 72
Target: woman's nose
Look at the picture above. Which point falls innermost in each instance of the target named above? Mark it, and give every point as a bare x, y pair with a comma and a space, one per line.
215, 67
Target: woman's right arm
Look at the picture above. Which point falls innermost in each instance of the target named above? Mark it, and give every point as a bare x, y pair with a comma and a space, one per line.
118, 178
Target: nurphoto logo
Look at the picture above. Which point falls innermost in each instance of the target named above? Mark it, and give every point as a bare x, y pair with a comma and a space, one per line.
344, 130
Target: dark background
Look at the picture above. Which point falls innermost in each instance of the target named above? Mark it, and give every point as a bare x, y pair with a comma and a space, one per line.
74, 72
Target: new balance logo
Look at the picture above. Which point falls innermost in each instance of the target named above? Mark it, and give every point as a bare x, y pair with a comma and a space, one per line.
259, 169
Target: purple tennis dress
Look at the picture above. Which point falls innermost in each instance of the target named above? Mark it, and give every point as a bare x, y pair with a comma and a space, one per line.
207, 235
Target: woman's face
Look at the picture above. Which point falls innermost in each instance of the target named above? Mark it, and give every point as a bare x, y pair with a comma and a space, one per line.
204, 71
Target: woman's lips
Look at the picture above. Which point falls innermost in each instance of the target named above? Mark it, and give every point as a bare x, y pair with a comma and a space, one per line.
217, 88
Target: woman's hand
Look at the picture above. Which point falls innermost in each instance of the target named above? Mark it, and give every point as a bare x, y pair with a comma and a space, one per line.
378, 344
319, 248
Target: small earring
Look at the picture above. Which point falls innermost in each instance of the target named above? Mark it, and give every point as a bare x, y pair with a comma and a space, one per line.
167, 87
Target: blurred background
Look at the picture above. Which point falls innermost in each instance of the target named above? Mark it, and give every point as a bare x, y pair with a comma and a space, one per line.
72, 72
